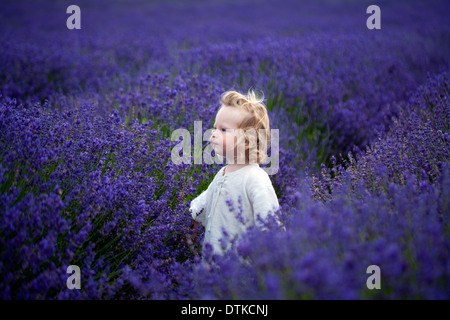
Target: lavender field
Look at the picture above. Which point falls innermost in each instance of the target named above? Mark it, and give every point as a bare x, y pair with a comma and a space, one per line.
86, 176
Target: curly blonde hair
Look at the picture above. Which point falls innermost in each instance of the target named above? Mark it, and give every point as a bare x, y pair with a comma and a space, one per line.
255, 128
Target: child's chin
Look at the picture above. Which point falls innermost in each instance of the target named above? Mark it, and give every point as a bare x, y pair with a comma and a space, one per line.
218, 150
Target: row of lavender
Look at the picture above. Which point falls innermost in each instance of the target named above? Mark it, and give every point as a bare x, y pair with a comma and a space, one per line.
93, 185
40, 57
389, 207
326, 93
79, 189
335, 82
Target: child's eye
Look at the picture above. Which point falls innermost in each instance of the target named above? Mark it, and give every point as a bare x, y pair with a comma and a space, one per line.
224, 130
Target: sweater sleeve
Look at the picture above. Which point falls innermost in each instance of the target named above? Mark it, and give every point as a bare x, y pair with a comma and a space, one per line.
263, 198
198, 207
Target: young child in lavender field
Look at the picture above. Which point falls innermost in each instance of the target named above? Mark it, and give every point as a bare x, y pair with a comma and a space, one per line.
241, 194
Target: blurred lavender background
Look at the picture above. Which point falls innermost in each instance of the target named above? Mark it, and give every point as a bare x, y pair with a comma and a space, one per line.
85, 170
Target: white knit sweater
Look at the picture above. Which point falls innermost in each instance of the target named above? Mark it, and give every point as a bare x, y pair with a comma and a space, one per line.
251, 193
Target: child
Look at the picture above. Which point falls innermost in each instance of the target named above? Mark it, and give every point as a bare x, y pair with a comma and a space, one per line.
241, 194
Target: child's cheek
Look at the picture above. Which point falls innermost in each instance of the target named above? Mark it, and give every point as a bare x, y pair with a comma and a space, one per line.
231, 142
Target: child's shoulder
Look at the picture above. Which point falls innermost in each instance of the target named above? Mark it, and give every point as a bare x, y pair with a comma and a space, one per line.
255, 174
252, 172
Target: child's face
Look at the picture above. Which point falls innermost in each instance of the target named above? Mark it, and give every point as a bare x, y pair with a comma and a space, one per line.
223, 141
